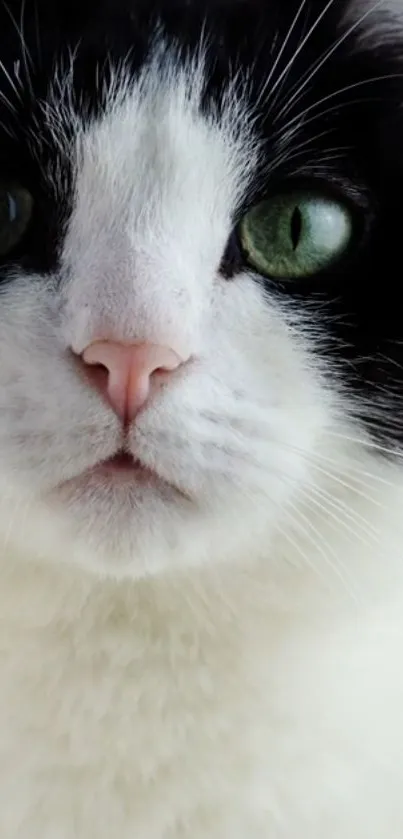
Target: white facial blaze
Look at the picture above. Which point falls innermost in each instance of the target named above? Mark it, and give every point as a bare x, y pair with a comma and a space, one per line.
157, 184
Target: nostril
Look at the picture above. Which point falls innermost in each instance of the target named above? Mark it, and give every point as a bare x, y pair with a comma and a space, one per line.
97, 375
161, 372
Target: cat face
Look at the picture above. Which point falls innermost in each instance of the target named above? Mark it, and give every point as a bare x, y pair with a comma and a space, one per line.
221, 180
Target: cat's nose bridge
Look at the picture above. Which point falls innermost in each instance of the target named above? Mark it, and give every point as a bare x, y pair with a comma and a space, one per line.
127, 374
144, 309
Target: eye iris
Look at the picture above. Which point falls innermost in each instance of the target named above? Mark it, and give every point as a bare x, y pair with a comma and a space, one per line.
295, 235
15, 214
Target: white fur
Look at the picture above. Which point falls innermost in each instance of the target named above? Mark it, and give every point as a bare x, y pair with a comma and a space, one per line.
220, 660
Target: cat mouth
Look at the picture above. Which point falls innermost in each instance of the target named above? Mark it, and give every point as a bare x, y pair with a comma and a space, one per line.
123, 470
124, 465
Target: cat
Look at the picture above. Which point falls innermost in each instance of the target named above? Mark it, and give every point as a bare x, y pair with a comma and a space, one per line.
201, 435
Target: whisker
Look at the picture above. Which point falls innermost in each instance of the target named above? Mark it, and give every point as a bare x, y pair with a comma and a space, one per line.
291, 153
7, 131
351, 515
302, 44
26, 55
366, 529
337, 477
299, 550
281, 51
300, 116
328, 54
345, 484
319, 115
320, 545
7, 103
365, 443
9, 79
354, 469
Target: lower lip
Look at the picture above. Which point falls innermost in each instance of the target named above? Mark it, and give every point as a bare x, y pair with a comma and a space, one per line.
124, 465
123, 469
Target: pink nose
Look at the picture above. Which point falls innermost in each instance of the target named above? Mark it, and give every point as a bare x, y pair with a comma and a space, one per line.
126, 374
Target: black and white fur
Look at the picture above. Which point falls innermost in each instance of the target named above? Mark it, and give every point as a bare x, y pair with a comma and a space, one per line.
216, 654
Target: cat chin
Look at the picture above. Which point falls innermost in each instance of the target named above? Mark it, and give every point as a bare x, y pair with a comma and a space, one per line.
148, 532
120, 531
126, 524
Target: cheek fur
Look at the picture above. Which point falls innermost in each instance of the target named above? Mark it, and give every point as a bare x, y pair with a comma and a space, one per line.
237, 429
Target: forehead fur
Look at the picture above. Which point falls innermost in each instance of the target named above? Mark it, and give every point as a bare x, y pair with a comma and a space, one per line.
156, 184
233, 61
153, 129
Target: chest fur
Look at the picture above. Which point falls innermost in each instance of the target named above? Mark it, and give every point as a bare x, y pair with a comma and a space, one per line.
169, 712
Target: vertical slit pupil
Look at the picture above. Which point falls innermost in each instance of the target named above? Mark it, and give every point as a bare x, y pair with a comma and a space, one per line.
296, 227
12, 208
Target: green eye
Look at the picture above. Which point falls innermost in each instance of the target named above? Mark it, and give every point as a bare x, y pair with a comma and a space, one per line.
15, 214
296, 234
